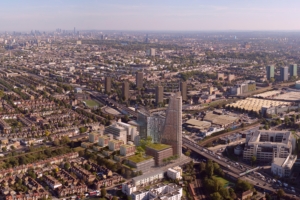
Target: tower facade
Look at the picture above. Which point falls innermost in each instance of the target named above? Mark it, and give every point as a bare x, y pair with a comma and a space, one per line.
125, 90
183, 90
293, 70
172, 130
139, 80
270, 71
159, 96
107, 84
284, 76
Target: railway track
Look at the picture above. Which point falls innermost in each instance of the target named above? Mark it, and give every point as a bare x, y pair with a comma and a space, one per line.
205, 142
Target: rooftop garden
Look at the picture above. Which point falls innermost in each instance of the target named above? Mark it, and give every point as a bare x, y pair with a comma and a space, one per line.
139, 158
158, 147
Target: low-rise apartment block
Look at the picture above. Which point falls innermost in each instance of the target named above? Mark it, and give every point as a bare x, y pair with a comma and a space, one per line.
127, 150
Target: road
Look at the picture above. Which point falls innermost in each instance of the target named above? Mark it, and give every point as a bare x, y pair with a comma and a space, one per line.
234, 169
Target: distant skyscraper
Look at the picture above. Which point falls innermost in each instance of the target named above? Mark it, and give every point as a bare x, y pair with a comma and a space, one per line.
74, 31
147, 39
284, 76
270, 71
159, 97
139, 80
183, 90
172, 130
293, 70
107, 84
125, 90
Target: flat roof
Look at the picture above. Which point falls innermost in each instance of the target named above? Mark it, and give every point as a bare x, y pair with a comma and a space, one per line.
158, 146
200, 124
154, 173
138, 158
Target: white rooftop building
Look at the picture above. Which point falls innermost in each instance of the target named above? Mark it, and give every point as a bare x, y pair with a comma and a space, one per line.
282, 167
159, 191
266, 145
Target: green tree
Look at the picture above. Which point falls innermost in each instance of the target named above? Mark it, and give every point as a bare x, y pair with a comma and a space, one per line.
243, 185
146, 142
67, 166
209, 168
280, 193
232, 193
216, 196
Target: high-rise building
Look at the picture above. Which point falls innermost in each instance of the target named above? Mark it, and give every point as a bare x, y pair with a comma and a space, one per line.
107, 84
125, 90
159, 96
183, 90
172, 130
270, 71
139, 80
150, 52
284, 76
293, 70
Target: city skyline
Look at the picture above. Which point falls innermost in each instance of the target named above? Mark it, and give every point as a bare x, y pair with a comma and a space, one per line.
154, 15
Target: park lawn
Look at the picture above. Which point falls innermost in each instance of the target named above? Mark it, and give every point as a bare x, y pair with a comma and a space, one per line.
222, 180
91, 103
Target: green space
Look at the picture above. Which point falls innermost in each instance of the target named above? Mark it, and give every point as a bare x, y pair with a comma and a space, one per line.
221, 180
158, 146
91, 103
77, 149
13, 123
139, 158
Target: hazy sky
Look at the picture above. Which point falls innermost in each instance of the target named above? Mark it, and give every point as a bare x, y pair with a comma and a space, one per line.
26, 15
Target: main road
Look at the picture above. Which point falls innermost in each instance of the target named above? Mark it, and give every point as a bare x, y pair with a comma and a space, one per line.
234, 170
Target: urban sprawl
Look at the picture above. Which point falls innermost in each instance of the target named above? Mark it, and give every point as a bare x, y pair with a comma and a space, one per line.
149, 116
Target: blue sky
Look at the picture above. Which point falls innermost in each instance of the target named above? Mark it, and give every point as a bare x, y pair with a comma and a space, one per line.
20, 15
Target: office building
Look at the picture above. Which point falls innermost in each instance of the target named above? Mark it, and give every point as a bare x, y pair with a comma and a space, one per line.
293, 70
159, 96
118, 132
270, 71
267, 145
139, 80
160, 152
125, 90
172, 130
282, 167
284, 76
183, 90
122, 131
150, 52
107, 84
150, 124
155, 125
